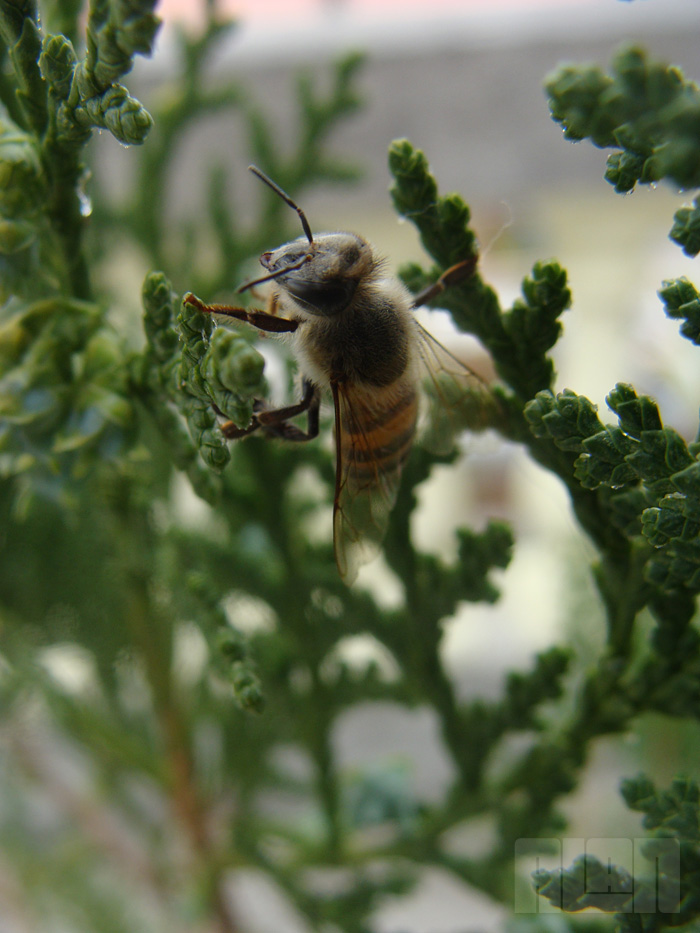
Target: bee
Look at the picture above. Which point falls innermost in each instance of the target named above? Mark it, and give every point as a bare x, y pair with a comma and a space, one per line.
355, 338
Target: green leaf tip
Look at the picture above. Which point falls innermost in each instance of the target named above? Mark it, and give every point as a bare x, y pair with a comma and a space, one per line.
239, 670
169, 379
158, 300
518, 339
686, 228
219, 371
532, 327
443, 222
19, 28
115, 110
347, 67
639, 449
574, 92
649, 113
234, 362
57, 63
524, 692
478, 553
681, 300
567, 418
643, 107
414, 183
220, 364
673, 528
87, 92
636, 413
587, 883
229, 648
667, 896
623, 171
676, 810
547, 289
247, 688
116, 32
157, 291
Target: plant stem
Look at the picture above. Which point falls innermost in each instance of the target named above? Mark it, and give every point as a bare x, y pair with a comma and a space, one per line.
152, 633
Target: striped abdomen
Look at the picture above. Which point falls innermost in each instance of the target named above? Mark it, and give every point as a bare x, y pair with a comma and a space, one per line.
374, 434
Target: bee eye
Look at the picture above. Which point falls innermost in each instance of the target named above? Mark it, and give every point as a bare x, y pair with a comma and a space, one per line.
351, 255
325, 298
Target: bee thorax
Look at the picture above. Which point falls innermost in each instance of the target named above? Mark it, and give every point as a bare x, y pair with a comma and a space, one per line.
368, 345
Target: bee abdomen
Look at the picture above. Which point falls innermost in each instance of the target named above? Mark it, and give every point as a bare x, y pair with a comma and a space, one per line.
378, 436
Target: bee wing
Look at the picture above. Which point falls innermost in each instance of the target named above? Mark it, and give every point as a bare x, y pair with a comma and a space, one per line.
373, 437
455, 397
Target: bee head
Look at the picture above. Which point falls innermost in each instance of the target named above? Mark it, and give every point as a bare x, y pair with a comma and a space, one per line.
323, 275
319, 273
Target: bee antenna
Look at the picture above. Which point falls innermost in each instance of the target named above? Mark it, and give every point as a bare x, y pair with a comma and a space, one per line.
285, 197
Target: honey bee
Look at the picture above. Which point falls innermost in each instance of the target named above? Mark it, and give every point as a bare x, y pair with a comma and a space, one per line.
355, 337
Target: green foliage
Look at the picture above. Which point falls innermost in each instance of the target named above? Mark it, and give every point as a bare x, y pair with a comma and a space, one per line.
211, 248
686, 228
86, 92
646, 109
640, 452
670, 895
63, 394
50, 109
190, 581
517, 339
681, 300
22, 191
649, 113
647, 476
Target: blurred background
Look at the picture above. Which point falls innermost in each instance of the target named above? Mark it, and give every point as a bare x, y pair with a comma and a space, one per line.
463, 80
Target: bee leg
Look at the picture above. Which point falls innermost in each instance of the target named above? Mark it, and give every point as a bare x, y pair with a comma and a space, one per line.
276, 421
260, 319
452, 276
232, 432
